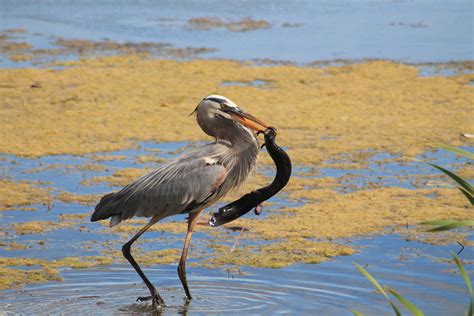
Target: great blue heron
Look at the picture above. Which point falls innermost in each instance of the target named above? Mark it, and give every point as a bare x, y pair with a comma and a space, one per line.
191, 182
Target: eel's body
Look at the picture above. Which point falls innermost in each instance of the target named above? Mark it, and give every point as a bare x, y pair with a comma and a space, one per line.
253, 199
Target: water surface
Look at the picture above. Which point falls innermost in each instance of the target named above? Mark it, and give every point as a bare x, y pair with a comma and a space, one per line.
408, 31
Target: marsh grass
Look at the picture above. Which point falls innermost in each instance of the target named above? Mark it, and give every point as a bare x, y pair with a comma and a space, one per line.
412, 308
440, 225
463, 186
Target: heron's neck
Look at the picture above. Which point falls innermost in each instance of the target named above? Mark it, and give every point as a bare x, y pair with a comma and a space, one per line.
240, 140
241, 155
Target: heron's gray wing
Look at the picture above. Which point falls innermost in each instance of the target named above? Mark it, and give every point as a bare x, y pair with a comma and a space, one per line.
172, 189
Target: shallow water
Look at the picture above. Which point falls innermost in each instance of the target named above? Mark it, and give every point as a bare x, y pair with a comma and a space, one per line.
409, 31
333, 287
330, 288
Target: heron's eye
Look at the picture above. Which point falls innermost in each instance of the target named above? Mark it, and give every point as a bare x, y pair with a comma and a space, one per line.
217, 115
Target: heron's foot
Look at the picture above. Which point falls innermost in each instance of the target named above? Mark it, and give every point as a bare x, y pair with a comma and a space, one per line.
156, 299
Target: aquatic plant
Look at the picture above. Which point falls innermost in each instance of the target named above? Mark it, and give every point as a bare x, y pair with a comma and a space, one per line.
412, 308
463, 186
440, 225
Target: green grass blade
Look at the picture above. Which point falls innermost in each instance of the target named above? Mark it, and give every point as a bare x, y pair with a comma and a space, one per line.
466, 186
467, 195
452, 225
456, 178
379, 287
440, 222
464, 275
356, 313
409, 305
457, 151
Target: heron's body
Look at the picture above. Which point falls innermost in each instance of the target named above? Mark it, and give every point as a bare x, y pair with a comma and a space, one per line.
191, 182
186, 184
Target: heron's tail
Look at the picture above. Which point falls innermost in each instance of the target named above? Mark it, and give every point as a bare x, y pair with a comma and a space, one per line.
108, 207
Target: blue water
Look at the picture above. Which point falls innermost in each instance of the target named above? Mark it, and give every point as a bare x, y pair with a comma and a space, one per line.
409, 31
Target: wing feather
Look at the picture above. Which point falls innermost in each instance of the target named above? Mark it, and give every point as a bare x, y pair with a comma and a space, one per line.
174, 188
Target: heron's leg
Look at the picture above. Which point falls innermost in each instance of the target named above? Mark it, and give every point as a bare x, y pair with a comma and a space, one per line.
192, 220
157, 300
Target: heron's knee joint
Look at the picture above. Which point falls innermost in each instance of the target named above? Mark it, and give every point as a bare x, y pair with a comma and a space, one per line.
126, 249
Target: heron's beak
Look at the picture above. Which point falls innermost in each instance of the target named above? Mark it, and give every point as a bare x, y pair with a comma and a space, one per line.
247, 119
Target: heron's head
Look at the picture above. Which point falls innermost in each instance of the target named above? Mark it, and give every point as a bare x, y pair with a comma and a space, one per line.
218, 115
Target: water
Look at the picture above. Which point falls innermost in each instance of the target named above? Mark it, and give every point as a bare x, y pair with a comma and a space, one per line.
408, 31
330, 288
333, 287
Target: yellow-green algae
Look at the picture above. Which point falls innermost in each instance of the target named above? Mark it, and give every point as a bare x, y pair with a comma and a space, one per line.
111, 103
299, 234
108, 103
74, 217
329, 214
120, 177
150, 158
419, 234
87, 199
243, 25
12, 276
37, 227
276, 255
18, 194
13, 246
108, 157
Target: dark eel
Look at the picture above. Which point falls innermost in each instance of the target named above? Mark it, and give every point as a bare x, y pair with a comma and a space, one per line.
253, 199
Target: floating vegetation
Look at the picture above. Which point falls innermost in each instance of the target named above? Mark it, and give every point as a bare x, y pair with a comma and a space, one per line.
13, 246
101, 158
120, 177
364, 212
275, 255
14, 276
210, 23
328, 117
19, 51
18, 194
87, 199
150, 158
37, 227
110, 103
148, 258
